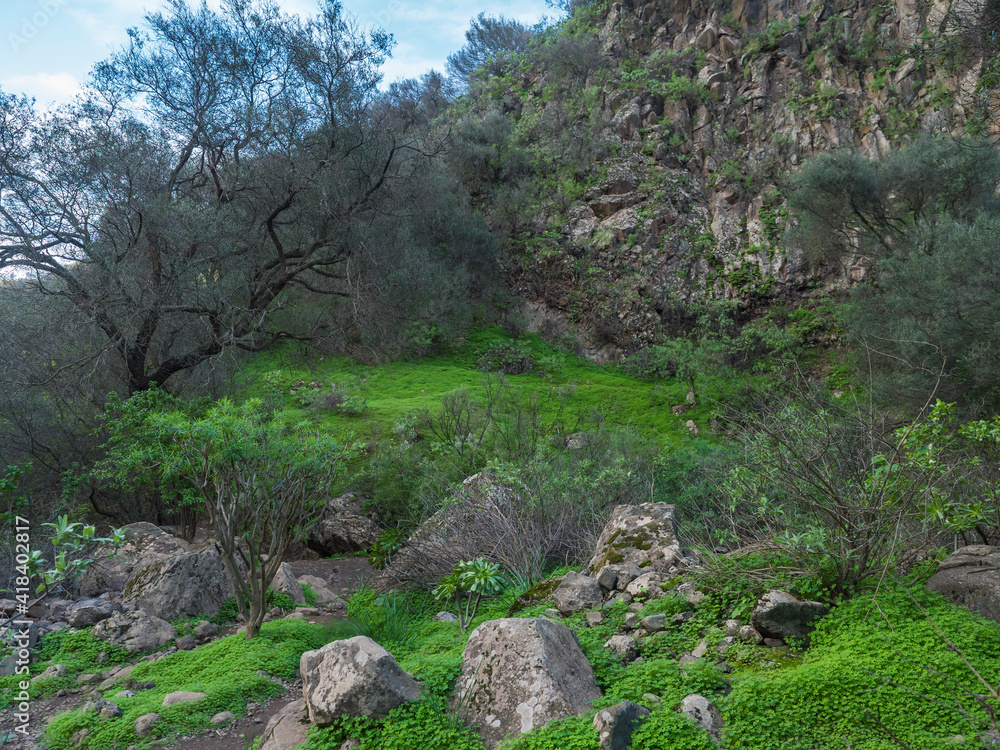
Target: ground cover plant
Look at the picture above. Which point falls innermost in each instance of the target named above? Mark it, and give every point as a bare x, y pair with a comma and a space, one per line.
275, 651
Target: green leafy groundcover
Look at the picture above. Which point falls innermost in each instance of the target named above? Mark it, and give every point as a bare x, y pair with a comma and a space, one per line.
226, 670
839, 695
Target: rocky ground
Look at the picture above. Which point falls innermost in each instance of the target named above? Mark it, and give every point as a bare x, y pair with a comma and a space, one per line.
343, 575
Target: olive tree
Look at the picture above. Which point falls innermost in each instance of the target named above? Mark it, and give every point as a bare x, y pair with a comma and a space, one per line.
220, 163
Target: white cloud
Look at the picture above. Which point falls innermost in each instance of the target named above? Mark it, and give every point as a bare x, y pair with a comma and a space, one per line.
45, 87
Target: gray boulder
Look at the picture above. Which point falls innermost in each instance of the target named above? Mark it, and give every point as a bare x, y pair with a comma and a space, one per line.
182, 696
703, 712
643, 535
324, 594
353, 677
87, 612
144, 724
576, 592
195, 583
343, 527
615, 725
623, 646
144, 543
287, 728
778, 614
518, 674
135, 631
970, 577
284, 581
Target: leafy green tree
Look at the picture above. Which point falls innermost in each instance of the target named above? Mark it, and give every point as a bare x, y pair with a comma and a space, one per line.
261, 481
491, 43
924, 224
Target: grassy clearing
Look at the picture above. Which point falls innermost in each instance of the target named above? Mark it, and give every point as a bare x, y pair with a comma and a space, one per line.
570, 390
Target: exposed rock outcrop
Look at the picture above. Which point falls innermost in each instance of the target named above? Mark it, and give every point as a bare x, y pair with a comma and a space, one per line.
87, 612
970, 577
144, 543
195, 583
518, 674
343, 527
477, 523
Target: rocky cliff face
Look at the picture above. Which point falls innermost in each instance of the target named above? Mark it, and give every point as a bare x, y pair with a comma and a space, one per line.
707, 110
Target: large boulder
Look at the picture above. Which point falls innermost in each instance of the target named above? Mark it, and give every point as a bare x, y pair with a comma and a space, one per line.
343, 527
187, 585
518, 674
475, 523
144, 543
778, 614
353, 677
287, 728
284, 581
576, 592
87, 612
970, 577
643, 535
135, 631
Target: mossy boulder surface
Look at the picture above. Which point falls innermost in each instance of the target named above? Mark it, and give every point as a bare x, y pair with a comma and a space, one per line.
644, 535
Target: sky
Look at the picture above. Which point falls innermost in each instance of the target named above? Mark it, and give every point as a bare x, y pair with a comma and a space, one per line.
47, 47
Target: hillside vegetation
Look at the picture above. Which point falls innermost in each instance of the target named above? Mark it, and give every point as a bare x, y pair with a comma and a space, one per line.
737, 258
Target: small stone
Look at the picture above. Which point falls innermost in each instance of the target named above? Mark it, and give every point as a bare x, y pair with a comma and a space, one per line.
654, 623
695, 598
749, 634
607, 579
732, 627
725, 643
774, 642
446, 617
144, 724
704, 713
594, 618
631, 621
223, 717
181, 696
88, 679
700, 650
186, 643
682, 617
205, 629
623, 646
553, 614
56, 670
616, 724
108, 710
